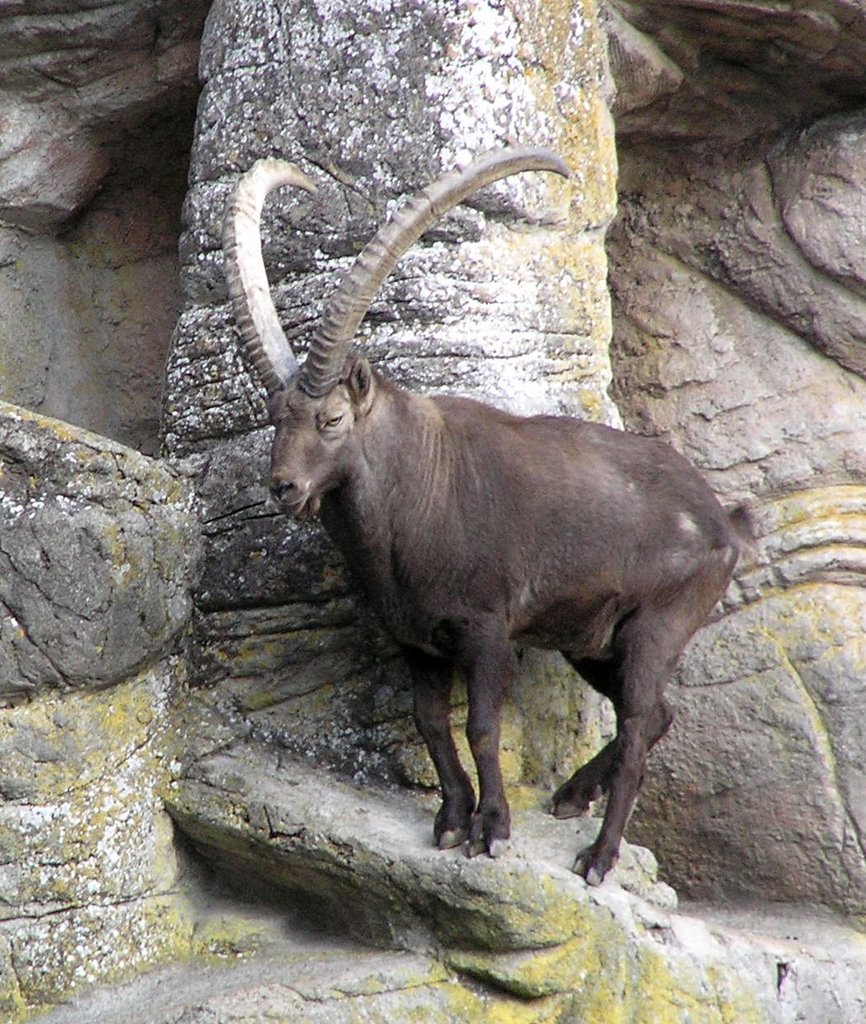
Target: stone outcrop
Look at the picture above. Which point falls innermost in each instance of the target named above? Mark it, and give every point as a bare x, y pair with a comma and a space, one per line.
98, 554
732, 69
435, 322
523, 925
97, 102
520, 938
74, 78
739, 333
96, 558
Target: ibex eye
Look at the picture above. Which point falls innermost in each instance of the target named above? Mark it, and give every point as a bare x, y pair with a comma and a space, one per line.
334, 421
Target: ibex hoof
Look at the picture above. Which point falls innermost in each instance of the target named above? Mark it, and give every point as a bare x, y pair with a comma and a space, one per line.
498, 848
478, 842
573, 801
452, 837
473, 849
593, 877
590, 866
495, 849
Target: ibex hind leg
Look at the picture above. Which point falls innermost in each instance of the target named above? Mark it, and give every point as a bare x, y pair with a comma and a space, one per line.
645, 650
591, 781
588, 784
634, 681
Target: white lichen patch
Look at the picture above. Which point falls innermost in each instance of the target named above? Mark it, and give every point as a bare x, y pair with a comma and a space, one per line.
9, 507
485, 96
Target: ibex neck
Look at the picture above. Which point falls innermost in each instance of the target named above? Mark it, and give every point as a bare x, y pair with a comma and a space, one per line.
392, 502
406, 456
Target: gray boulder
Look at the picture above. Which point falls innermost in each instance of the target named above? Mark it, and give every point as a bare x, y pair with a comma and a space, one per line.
97, 558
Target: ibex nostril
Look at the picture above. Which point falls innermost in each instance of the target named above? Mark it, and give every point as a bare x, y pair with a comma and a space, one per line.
281, 489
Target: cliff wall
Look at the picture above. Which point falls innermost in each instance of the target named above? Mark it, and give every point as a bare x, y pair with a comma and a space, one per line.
212, 787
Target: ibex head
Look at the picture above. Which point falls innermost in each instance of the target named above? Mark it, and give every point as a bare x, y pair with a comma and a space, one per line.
317, 437
318, 408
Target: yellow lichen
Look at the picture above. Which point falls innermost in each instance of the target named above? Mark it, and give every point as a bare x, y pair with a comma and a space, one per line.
89, 833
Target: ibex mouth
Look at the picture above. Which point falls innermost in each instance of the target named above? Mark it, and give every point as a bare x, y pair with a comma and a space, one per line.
305, 509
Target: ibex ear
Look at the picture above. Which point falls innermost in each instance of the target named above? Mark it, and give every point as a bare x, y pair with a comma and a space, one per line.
276, 401
359, 381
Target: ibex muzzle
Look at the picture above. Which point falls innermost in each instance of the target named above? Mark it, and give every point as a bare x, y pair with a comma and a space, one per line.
470, 528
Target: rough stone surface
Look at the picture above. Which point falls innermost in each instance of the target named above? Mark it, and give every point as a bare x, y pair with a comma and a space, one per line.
88, 867
763, 779
739, 316
308, 984
505, 300
74, 76
323, 984
733, 69
98, 554
97, 111
97, 557
522, 924
465, 84
517, 939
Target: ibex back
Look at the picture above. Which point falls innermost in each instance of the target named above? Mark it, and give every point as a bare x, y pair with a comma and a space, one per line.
470, 528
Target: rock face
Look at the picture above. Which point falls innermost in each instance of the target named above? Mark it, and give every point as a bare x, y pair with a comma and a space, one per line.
731, 71
740, 324
96, 558
362, 157
520, 938
98, 553
201, 728
97, 110
130, 59
505, 300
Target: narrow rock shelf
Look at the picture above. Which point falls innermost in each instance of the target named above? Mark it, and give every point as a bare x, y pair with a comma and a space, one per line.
518, 938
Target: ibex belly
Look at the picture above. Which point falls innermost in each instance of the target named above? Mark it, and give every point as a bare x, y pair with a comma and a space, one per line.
584, 628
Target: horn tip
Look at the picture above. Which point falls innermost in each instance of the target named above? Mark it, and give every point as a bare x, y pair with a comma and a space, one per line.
273, 172
545, 159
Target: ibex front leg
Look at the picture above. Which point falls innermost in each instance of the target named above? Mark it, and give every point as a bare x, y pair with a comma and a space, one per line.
488, 682
433, 680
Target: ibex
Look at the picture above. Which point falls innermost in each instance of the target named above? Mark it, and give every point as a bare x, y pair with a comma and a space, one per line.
470, 528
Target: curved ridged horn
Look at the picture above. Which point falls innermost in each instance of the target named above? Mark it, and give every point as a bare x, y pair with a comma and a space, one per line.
347, 306
262, 336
